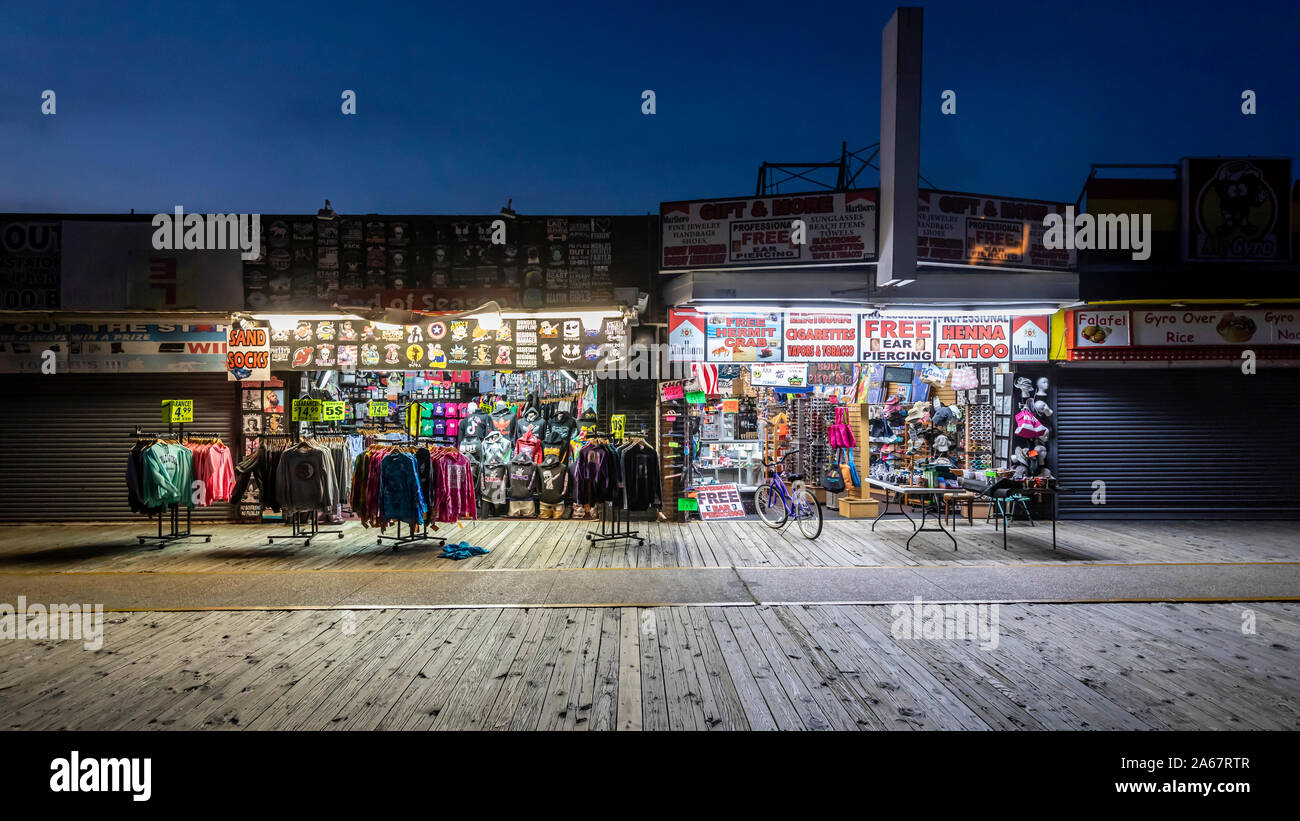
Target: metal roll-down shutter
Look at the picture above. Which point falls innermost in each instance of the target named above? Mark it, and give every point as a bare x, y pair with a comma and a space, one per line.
1179, 443
64, 439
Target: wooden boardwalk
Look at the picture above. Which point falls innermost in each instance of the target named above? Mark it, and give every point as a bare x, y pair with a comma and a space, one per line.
1186, 666
540, 545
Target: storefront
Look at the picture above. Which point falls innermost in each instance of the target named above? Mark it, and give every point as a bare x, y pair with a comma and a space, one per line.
518, 395
1177, 380
797, 342
115, 329
1183, 412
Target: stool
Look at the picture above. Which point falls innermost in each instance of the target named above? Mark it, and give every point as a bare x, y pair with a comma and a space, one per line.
953, 504
1005, 503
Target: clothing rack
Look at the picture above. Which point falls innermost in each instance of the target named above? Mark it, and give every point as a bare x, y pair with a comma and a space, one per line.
609, 519
609, 526
174, 534
297, 529
413, 535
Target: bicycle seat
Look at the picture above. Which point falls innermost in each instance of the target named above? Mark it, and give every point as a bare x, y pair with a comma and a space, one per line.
793, 477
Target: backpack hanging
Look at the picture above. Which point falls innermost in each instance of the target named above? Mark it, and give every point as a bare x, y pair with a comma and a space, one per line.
832, 479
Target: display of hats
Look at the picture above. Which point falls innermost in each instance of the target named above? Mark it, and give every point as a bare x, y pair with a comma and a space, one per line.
942, 416
1041, 408
920, 412
1025, 386
941, 444
893, 403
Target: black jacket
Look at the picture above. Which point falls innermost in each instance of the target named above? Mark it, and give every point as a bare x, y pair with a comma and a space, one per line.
641, 489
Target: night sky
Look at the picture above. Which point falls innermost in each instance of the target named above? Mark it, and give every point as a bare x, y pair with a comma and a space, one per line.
234, 107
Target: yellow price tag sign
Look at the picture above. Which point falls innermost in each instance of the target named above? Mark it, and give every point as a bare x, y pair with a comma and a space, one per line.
378, 408
308, 410
618, 425
177, 410
332, 411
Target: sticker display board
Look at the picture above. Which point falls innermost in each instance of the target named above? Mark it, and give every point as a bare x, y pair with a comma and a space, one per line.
719, 502
743, 337
821, 337
780, 375
447, 344
758, 231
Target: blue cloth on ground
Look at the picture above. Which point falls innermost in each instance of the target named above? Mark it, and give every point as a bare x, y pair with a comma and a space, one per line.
463, 550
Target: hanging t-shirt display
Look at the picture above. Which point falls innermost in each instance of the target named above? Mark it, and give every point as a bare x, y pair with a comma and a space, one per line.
446, 343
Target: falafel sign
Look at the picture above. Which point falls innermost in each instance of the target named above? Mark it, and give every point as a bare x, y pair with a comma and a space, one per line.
757, 232
743, 337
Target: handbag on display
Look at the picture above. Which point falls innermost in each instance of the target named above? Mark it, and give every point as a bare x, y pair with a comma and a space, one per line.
833, 479
839, 434
853, 471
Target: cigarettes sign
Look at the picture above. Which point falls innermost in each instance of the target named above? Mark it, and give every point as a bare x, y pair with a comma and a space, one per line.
814, 337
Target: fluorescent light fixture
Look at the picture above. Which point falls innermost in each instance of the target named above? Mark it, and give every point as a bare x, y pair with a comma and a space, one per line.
1178, 305
901, 282
968, 310
284, 321
727, 307
590, 319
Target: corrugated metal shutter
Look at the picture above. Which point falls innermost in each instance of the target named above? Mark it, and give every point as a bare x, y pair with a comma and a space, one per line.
64, 439
1185, 444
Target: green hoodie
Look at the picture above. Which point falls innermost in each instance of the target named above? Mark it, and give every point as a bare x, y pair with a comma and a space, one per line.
168, 475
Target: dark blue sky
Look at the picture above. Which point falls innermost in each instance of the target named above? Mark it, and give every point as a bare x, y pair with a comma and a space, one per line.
234, 107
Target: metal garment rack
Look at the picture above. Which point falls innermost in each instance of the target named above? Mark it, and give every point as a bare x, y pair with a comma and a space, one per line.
609, 521
413, 535
609, 526
299, 529
175, 534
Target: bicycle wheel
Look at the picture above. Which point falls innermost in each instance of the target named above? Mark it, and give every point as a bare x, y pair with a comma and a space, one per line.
808, 513
770, 506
